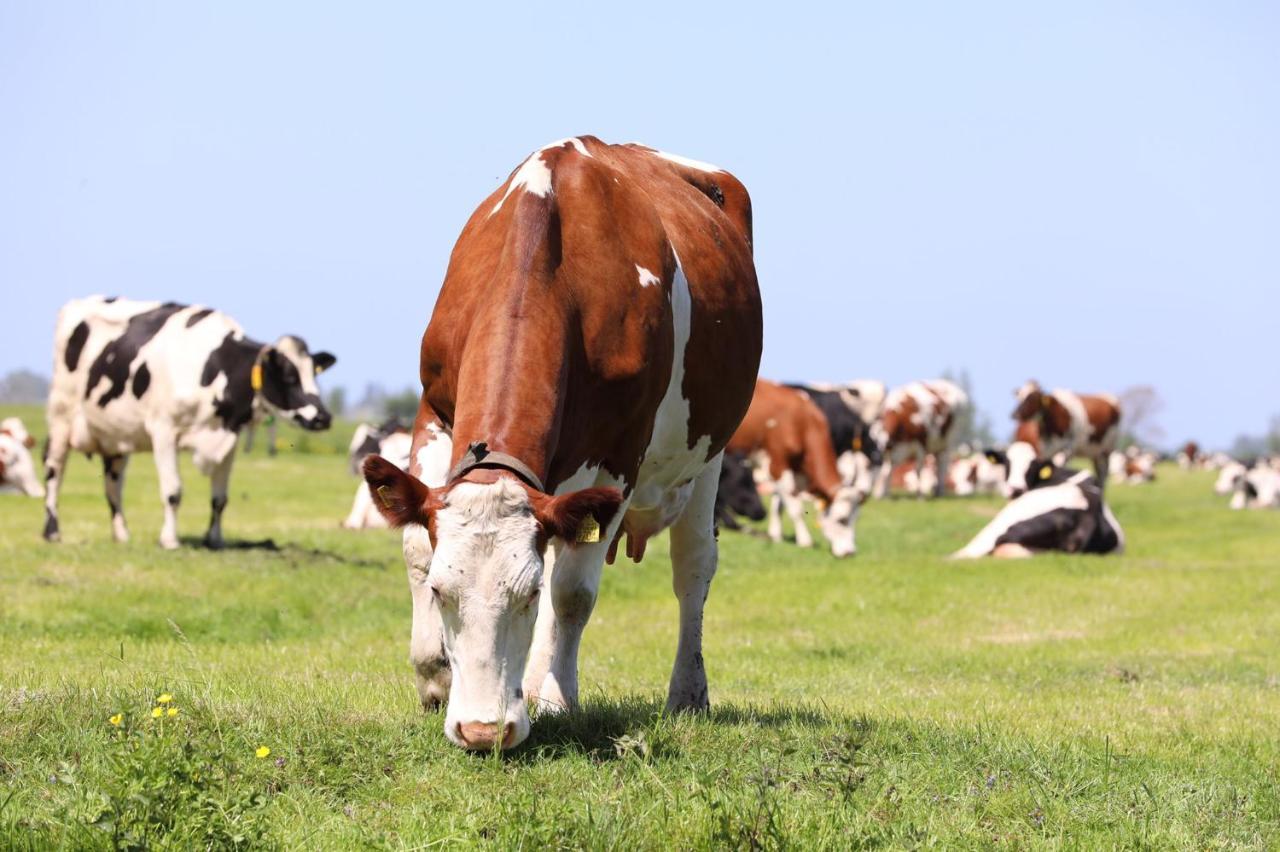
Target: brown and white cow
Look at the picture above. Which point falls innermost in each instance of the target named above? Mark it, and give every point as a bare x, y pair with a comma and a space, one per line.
918, 420
789, 440
17, 471
593, 348
1067, 424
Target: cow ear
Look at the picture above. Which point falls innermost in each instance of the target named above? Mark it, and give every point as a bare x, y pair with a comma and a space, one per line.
323, 361
400, 498
29, 442
992, 456
579, 517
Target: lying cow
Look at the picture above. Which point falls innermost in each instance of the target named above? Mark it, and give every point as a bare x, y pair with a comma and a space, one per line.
1255, 486
789, 441
977, 473
919, 420
1133, 466
737, 495
135, 376
1067, 424
393, 445
594, 346
17, 471
1063, 510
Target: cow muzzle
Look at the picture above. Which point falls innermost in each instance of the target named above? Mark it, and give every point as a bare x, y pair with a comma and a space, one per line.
484, 736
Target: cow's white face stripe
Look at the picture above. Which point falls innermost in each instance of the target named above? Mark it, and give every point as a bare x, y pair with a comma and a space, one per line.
1020, 455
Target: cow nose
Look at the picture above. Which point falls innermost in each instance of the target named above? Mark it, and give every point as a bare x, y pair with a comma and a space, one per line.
323, 419
481, 736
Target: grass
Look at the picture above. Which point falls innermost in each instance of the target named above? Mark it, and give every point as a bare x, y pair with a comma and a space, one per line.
893, 700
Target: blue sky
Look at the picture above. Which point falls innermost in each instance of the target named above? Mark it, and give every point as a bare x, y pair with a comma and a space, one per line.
1087, 194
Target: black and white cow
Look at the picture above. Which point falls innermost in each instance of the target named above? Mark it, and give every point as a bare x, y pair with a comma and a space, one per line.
134, 376
392, 441
17, 472
1062, 510
737, 494
850, 410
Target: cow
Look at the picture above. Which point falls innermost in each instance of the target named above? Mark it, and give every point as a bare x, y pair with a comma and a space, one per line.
1067, 424
919, 419
1190, 457
977, 473
736, 494
132, 376
1251, 486
849, 411
592, 350
1133, 466
393, 444
1063, 510
789, 441
17, 471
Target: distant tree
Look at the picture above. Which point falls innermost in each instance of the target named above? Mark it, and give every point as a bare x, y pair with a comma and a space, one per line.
402, 405
973, 427
1140, 408
23, 387
1253, 446
337, 401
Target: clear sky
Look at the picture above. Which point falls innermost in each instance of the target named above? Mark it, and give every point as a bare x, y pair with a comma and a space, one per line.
1088, 194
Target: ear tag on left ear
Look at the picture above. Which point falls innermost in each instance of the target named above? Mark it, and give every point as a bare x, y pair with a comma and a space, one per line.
589, 531
384, 494
319, 369
1046, 472
857, 444
255, 377
1044, 402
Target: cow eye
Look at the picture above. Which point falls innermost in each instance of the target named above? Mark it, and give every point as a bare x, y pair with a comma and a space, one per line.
533, 597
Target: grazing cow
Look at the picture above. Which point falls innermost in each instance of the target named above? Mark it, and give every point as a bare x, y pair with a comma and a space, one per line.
737, 494
918, 420
393, 445
1190, 457
789, 440
1063, 510
849, 411
1068, 424
17, 471
593, 348
134, 376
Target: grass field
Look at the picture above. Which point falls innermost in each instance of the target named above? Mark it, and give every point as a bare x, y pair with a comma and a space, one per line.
892, 700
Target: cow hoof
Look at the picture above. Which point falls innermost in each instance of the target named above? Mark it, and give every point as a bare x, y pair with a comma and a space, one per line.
169, 544
213, 543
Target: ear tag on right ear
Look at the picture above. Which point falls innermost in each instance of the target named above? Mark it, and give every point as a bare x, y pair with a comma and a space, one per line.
1044, 402
255, 377
857, 444
384, 494
589, 531
1046, 472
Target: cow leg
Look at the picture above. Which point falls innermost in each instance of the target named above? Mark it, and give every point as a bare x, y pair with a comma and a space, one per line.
56, 449
693, 564
544, 633
113, 468
943, 464
219, 479
426, 639
775, 515
164, 446
795, 509
881, 488
1101, 464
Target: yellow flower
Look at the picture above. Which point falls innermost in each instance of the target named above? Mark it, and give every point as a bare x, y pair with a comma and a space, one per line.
171, 712
116, 719
262, 752
164, 699
157, 712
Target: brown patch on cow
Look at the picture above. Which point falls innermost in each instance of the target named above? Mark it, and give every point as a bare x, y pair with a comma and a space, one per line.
1103, 414
1028, 431
544, 345
787, 426
1055, 419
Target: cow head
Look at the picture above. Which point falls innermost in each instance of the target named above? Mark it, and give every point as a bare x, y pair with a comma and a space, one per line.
488, 539
1018, 459
1229, 478
837, 520
16, 467
285, 376
1030, 401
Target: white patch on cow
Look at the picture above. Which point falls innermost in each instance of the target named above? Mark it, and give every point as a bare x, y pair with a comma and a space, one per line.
1230, 474
1020, 455
17, 470
686, 162
1030, 505
534, 176
647, 277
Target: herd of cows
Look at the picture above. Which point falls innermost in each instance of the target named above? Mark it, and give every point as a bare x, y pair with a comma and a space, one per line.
589, 379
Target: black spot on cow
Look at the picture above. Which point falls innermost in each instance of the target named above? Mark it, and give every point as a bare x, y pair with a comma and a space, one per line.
141, 381
175, 499
50, 525
116, 357
233, 358
75, 345
848, 430
110, 299
198, 315
736, 494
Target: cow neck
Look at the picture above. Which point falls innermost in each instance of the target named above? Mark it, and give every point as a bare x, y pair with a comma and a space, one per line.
1055, 418
821, 481
511, 386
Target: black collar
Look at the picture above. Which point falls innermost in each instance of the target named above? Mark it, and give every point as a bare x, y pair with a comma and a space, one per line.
479, 455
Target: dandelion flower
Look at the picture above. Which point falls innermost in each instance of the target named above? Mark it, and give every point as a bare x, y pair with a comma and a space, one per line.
164, 699
171, 712
262, 752
157, 712
116, 719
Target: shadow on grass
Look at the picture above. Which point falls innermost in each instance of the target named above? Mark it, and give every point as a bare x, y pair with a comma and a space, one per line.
611, 729
294, 553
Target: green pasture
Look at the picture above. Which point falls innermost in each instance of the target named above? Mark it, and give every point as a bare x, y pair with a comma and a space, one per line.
892, 700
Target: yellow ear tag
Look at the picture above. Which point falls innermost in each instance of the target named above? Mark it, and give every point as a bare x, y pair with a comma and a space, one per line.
1046, 472
319, 369
857, 444
1044, 402
255, 377
384, 494
589, 532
